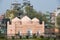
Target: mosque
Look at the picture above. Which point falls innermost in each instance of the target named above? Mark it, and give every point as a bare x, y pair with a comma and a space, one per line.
25, 26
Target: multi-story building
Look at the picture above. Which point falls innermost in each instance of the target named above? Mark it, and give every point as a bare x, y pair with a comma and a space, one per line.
25, 26
52, 18
54, 15
57, 12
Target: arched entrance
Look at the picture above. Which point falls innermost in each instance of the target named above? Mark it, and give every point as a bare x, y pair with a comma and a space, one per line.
29, 32
20, 34
38, 33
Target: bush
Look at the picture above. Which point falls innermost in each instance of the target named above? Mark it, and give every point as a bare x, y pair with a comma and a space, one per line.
2, 36
34, 36
20, 37
27, 37
13, 37
41, 36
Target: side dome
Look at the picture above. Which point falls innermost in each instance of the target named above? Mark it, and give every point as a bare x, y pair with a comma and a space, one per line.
25, 18
35, 20
16, 19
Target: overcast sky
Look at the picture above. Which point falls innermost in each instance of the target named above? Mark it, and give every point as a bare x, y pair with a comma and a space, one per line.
39, 5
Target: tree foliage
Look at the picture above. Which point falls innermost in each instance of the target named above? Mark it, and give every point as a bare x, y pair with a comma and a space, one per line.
13, 13
58, 20
30, 12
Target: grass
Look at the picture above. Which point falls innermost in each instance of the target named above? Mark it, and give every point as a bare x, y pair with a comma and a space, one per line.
29, 39
26, 38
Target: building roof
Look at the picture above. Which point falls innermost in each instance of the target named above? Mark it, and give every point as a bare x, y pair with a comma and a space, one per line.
35, 19
25, 18
16, 19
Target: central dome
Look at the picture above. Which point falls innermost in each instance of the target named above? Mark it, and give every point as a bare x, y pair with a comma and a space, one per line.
25, 18
35, 20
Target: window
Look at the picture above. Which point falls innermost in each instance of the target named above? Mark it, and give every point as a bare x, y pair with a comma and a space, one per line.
21, 23
19, 33
40, 22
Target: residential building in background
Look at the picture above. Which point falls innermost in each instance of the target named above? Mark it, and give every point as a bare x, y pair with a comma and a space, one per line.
57, 12
52, 17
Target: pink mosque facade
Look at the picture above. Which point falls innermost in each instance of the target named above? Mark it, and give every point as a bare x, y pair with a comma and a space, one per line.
24, 25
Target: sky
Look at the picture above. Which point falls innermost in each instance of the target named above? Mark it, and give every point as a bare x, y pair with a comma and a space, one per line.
39, 5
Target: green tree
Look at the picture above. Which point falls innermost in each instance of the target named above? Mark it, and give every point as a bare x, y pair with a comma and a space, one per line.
29, 11
58, 20
13, 13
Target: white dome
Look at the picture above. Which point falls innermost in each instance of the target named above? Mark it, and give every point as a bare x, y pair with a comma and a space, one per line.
35, 20
16, 19
25, 18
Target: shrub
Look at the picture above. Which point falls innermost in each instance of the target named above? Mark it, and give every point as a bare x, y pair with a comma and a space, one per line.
41, 36
34, 36
2, 36
20, 37
13, 37
27, 37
